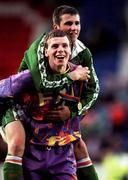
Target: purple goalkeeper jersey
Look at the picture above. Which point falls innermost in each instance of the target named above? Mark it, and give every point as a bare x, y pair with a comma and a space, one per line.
30, 106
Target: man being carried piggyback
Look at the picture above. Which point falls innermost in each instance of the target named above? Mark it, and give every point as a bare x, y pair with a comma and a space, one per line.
68, 19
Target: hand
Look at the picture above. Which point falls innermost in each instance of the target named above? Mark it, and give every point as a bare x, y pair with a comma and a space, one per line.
60, 113
80, 73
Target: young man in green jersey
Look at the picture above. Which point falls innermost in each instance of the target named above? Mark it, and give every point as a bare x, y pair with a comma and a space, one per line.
67, 19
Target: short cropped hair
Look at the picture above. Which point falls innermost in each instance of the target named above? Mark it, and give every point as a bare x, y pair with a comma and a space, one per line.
61, 10
56, 33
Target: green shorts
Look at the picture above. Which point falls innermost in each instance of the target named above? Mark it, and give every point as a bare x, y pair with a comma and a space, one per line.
8, 117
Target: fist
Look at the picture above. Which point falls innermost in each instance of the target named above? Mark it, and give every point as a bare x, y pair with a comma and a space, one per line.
80, 73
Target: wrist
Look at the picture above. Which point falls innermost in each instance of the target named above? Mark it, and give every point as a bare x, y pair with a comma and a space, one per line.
69, 78
72, 76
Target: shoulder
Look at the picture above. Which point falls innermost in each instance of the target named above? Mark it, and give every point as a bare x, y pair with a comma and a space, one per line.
83, 47
80, 45
80, 49
37, 41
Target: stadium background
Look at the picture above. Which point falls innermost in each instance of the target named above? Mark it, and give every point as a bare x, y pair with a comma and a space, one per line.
105, 32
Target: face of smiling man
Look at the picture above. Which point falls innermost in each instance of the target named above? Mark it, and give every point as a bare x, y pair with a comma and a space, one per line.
58, 53
71, 25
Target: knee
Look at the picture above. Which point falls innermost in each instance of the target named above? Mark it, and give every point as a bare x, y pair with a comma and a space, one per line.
80, 145
80, 150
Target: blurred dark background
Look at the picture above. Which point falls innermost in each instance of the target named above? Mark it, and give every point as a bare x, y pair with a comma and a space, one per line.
105, 32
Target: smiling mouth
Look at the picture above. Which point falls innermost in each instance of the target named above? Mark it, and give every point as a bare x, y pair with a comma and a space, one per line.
60, 57
73, 33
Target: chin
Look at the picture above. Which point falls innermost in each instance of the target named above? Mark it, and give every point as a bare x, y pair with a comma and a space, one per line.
60, 64
74, 40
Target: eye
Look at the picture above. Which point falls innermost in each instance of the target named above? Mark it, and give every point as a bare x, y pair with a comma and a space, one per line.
54, 46
69, 23
77, 23
65, 45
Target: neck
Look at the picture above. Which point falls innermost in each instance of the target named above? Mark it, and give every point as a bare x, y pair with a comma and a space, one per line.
62, 69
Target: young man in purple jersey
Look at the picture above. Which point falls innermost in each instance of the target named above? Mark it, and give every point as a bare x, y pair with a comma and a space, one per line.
49, 150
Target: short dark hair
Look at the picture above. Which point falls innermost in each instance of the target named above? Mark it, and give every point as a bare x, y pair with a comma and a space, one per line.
61, 10
56, 33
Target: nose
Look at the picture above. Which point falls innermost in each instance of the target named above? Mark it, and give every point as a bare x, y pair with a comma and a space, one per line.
73, 26
60, 48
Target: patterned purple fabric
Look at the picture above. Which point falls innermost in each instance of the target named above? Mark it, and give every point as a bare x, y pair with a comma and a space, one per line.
55, 163
15, 84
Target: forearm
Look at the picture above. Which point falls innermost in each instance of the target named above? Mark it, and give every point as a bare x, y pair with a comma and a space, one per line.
5, 88
15, 84
90, 95
91, 91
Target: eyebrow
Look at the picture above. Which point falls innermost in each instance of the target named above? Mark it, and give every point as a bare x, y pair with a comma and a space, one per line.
56, 44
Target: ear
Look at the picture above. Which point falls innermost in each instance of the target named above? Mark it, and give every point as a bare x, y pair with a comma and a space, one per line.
55, 26
46, 52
